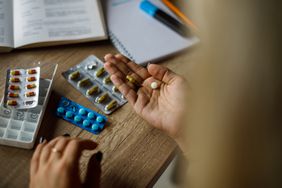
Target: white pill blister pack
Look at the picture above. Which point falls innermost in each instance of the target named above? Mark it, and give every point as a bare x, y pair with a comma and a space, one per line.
19, 127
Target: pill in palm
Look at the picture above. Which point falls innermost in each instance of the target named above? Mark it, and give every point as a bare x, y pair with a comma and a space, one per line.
154, 85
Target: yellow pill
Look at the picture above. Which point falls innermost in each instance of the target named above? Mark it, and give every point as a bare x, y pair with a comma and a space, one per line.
111, 105
107, 80
100, 72
15, 72
92, 90
115, 89
131, 80
12, 103
84, 82
102, 98
74, 75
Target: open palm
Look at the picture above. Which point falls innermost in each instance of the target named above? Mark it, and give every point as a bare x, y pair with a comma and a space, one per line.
163, 107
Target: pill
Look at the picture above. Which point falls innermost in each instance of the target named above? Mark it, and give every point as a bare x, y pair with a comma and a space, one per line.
131, 80
84, 82
14, 80
15, 72
61, 110
31, 86
14, 87
107, 80
111, 105
100, 72
91, 115
82, 112
12, 103
92, 90
154, 85
31, 71
31, 79
77, 119
86, 123
115, 89
13, 95
30, 94
95, 127
74, 75
99, 119
102, 98
69, 114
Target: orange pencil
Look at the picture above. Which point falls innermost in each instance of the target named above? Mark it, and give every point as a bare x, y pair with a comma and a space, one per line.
180, 14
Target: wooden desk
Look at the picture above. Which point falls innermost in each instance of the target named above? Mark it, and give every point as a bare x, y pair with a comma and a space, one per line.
135, 154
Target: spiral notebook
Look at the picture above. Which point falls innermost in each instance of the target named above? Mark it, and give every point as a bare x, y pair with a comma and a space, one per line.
139, 36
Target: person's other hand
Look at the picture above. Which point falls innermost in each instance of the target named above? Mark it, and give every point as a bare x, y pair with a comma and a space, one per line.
56, 164
163, 107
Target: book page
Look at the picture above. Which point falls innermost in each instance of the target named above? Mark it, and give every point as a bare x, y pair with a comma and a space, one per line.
6, 23
38, 21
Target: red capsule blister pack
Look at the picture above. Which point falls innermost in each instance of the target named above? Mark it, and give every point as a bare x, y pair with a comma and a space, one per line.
22, 88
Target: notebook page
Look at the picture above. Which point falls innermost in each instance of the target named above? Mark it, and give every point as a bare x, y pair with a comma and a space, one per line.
145, 38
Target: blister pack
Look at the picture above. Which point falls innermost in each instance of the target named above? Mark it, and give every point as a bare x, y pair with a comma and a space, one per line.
22, 88
90, 78
80, 116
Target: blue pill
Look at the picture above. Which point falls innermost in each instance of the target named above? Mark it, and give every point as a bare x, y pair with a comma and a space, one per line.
86, 123
82, 112
91, 115
95, 127
69, 114
77, 119
61, 110
99, 119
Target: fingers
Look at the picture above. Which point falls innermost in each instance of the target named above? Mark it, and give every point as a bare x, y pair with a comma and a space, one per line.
141, 71
127, 91
46, 151
75, 147
161, 73
93, 173
35, 158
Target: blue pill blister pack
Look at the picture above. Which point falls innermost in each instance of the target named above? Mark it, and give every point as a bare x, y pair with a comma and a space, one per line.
80, 116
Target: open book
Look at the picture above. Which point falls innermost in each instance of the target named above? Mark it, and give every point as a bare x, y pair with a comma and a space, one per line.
35, 23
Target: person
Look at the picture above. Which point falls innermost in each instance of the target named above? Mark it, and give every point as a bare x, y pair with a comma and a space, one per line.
56, 163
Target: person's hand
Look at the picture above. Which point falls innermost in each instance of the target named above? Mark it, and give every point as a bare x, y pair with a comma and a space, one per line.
56, 164
163, 107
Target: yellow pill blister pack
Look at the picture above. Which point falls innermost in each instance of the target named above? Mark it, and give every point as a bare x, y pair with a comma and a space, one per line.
22, 88
91, 79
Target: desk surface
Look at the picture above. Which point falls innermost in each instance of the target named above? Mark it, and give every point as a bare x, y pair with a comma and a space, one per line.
135, 154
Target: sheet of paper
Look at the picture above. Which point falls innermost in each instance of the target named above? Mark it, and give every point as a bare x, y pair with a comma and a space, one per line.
6, 23
56, 20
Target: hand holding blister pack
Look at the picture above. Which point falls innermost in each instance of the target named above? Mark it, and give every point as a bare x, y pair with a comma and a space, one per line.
22, 88
91, 79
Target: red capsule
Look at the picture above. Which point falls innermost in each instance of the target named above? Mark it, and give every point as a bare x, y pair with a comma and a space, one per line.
13, 95
13, 87
30, 94
12, 103
15, 72
31, 86
14, 80
31, 79
32, 71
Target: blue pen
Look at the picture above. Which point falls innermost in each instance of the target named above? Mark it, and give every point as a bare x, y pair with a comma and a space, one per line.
163, 17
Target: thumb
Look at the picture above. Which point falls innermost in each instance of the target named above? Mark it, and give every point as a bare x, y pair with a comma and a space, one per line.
93, 173
161, 73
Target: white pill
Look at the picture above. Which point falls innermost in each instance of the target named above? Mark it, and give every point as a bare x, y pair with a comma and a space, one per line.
154, 85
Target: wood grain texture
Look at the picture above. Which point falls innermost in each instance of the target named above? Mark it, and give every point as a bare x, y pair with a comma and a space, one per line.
135, 154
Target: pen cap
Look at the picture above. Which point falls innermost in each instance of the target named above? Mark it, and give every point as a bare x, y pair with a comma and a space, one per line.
148, 7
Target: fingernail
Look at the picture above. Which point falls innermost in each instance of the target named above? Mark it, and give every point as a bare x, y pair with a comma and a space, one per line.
99, 156
66, 135
41, 139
